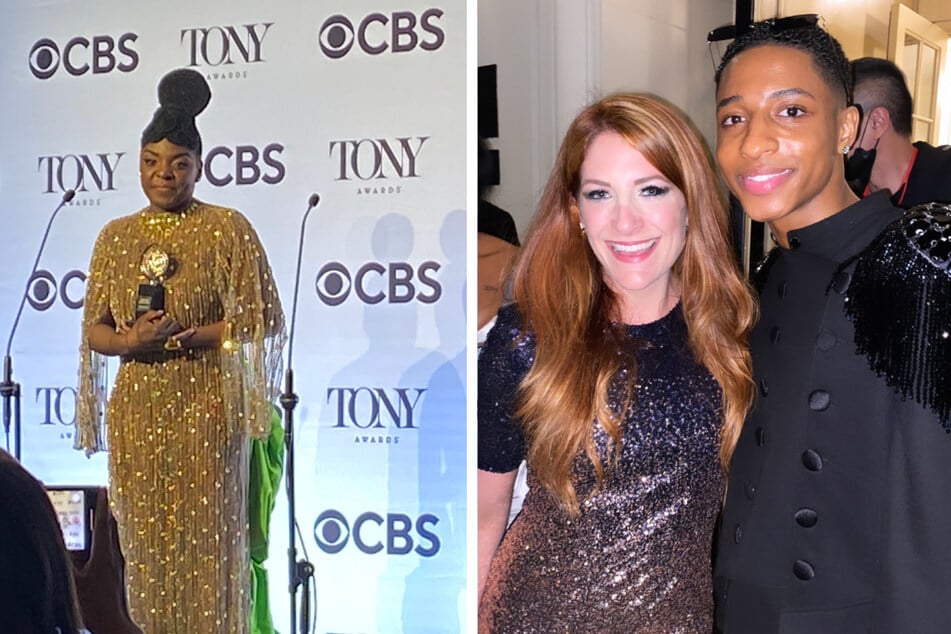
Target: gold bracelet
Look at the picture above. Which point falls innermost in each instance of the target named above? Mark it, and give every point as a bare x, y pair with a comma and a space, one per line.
172, 344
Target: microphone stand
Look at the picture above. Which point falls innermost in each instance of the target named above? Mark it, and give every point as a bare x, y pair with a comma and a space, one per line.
299, 572
8, 387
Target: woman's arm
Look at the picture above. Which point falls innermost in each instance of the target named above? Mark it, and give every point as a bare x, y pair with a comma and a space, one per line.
495, 498
209, 336
148, 333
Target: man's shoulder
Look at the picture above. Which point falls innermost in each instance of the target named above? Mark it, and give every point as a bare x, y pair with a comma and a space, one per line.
899, 297
938, 151
495, 221
920, 238
934, 163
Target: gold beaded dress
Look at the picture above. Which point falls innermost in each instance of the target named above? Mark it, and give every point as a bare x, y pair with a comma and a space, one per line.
178, 423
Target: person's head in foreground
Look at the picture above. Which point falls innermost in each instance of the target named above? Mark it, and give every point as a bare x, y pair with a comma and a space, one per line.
37, 594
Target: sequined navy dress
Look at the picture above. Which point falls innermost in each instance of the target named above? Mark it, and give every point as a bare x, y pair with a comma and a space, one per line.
637, 558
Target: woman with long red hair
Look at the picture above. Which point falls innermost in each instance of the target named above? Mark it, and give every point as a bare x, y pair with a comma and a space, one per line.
621, 374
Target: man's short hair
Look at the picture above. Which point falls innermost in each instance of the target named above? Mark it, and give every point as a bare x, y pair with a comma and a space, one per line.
826, 52
880, 83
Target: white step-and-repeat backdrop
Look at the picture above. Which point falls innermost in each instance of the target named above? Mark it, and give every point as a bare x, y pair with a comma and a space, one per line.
362, 102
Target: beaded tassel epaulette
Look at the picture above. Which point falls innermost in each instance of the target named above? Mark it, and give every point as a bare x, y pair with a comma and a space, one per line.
899, 300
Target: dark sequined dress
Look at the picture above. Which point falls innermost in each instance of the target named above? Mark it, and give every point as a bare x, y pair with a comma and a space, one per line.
637, 558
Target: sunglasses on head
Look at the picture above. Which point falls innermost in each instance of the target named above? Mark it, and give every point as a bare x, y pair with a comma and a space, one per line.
775, 25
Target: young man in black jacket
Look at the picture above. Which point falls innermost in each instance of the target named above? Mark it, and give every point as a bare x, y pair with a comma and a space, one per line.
837, 517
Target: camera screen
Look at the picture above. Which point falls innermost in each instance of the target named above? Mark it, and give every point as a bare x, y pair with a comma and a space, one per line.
70, 507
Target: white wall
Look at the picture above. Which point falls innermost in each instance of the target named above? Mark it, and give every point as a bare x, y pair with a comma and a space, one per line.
554, 56
861, 26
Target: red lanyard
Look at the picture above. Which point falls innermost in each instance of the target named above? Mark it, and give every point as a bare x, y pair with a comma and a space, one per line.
904, 186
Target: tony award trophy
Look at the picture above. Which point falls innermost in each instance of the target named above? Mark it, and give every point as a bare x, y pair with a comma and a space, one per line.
157, 267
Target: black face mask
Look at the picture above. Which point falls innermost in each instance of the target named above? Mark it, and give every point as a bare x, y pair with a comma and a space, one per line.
858, 169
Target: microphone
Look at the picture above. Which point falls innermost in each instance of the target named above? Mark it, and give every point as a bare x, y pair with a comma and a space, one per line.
312, 202
68, 195
8, 388
298, 572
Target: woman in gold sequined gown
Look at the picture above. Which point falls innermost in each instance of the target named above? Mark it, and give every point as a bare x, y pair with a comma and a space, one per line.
195, 379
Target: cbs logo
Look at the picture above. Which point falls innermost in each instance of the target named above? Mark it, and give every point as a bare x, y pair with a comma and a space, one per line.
371, 533
244, 165
338, 34
101, 54
395, 283
42, 289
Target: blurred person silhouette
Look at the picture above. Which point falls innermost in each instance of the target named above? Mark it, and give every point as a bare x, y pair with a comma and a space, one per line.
37, 590
497, 244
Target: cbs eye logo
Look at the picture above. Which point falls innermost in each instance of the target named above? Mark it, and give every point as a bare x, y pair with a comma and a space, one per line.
338, 34
371, 533
43, 289
102, 54
395, 283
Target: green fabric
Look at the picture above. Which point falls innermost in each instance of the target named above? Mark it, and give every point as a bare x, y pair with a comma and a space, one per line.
267, 464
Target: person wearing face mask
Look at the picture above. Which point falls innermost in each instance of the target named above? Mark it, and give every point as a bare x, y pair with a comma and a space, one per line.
883, 157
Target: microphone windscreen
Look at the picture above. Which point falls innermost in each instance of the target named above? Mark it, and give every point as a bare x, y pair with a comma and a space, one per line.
68, 195
313, 200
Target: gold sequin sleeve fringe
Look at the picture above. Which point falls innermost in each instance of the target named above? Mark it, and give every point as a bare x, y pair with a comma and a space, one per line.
89, 433
254, 330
